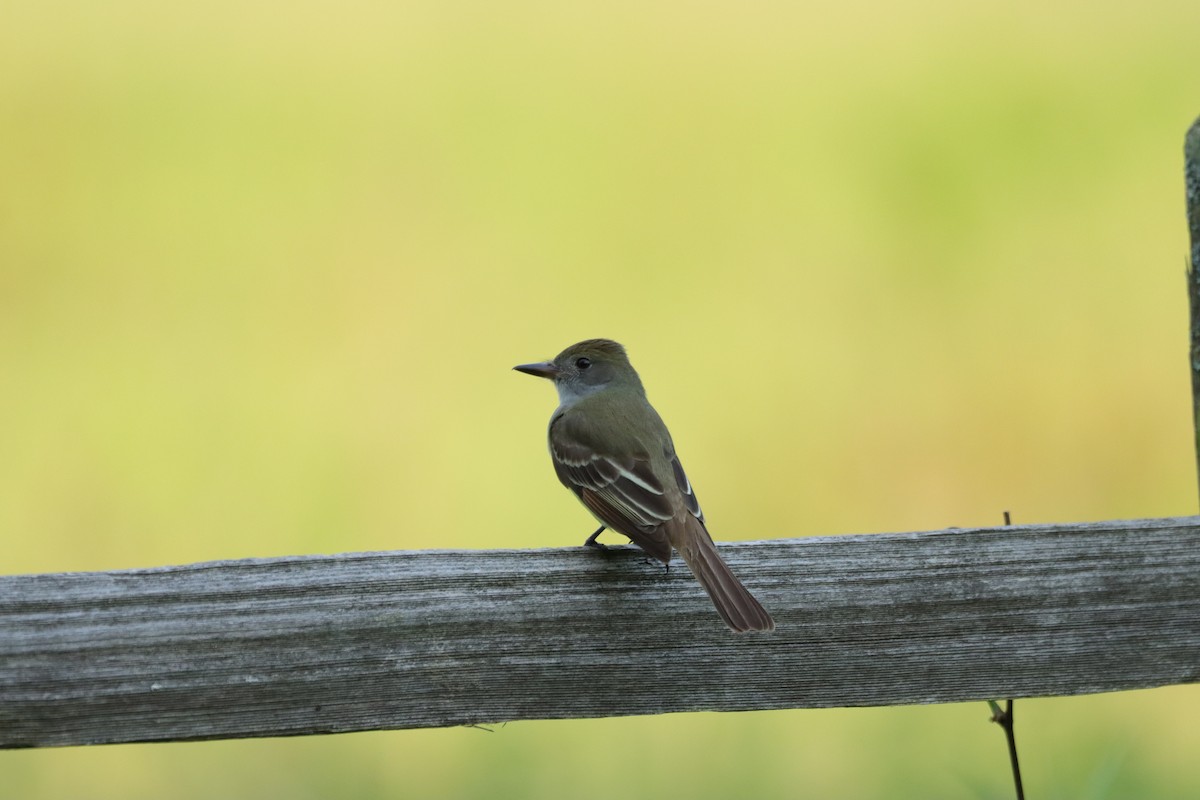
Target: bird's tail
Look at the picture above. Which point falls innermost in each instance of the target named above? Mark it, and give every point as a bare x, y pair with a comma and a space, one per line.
733, 601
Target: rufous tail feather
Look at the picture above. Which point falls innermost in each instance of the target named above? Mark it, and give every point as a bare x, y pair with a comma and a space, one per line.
733, 601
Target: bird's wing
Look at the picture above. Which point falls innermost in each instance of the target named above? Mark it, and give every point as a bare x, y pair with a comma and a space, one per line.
621, 490
685, 486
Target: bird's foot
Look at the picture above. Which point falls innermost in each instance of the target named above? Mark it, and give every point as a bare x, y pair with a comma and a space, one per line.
591, 540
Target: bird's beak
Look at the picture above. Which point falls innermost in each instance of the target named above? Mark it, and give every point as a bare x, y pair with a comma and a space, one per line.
545, 369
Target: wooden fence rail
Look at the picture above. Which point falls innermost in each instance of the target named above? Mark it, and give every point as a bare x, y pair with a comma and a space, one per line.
321, 644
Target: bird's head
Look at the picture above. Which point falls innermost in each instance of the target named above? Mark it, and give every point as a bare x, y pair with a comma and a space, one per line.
585, 368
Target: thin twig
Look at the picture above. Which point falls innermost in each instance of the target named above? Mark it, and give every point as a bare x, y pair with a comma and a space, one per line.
1004, 718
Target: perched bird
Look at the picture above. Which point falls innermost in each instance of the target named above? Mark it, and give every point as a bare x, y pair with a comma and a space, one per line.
610, 448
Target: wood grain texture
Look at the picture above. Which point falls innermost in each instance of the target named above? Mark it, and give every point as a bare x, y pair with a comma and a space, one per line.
320, 644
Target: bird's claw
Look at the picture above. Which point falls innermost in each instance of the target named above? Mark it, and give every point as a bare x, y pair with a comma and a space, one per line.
591, 540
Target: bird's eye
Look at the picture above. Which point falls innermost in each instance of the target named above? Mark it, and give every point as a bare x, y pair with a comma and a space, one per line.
583, 363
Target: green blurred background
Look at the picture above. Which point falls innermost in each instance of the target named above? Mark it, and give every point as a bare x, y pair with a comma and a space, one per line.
264, 269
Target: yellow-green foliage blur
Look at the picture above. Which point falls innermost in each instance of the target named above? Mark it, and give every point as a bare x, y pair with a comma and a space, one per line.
264, 269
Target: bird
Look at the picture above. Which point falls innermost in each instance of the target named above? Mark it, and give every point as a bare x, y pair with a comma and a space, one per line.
613, 451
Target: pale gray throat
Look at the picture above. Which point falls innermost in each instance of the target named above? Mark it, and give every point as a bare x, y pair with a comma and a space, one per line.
571, 392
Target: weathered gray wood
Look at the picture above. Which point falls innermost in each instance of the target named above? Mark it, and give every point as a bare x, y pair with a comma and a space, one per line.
317, 644
1191, 180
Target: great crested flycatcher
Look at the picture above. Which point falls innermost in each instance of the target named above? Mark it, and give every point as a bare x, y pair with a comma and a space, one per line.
613, 451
